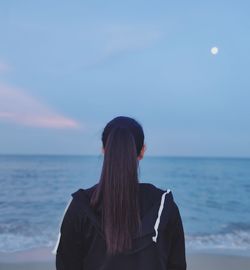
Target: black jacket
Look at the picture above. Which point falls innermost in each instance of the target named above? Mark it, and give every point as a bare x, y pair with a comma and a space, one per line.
161, 246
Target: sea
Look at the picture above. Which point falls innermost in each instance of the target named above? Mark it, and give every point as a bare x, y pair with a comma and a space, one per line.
213, 196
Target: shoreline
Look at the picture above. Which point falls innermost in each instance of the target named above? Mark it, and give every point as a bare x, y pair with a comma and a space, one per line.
43, 259
35, 255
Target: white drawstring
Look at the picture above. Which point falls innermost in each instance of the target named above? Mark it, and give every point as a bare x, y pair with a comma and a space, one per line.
59, 234
159, 215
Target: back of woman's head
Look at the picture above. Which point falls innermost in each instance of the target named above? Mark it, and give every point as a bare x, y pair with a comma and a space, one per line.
118, 191
128, 123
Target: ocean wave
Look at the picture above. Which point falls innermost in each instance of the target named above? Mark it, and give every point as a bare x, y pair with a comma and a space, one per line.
12, 242
236, 240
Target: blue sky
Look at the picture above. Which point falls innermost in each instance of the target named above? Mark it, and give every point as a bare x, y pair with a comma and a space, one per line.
68, 67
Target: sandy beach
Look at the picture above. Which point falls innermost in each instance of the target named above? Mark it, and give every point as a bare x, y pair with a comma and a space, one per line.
42, 259
28, 266
217, 262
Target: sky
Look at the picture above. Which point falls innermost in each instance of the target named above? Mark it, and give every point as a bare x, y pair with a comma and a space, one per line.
69, 67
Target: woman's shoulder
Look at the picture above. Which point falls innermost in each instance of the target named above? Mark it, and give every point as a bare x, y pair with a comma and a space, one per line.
83, 193
151, 195
154, 190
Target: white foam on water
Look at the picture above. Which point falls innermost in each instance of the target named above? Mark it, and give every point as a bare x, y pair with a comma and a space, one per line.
237, 240
12, 243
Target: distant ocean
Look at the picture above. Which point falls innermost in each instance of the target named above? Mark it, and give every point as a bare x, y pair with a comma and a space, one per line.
213, 195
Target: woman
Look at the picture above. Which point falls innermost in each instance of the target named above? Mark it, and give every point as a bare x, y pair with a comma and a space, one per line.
120, 223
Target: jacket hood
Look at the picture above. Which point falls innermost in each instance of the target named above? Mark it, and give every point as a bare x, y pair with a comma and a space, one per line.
155, 206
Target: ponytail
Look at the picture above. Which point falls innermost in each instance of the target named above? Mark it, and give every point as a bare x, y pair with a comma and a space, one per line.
118, 190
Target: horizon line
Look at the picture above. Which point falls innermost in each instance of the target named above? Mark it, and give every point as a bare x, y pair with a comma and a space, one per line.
146, 156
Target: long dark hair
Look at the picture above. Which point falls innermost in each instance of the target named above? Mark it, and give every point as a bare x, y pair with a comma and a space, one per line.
117, 192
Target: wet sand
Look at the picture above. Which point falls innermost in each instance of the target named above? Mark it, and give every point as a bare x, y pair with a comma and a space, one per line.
43, 260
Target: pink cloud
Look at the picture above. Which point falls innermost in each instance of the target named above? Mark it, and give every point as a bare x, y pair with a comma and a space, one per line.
4, 67
18, 107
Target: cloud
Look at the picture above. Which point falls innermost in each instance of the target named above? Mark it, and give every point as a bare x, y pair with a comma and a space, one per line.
18, 107
122, 38
4, 67
107, 41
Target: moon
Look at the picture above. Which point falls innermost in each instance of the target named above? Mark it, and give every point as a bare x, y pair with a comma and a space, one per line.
214, 50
